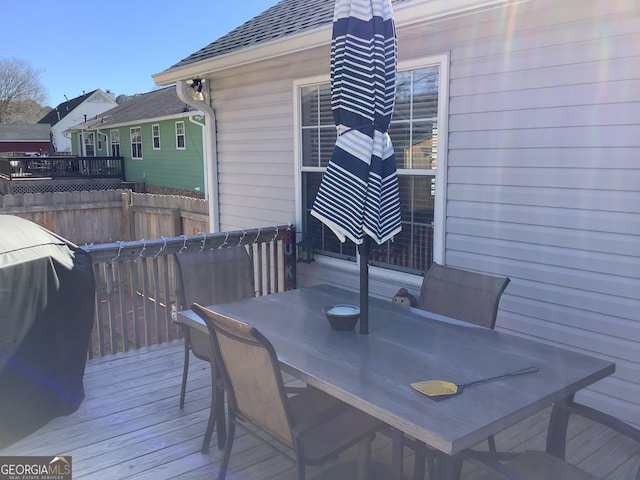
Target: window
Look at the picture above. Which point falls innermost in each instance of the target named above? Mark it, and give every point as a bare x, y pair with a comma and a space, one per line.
100, 142
155, 133
88, 144
136, 143
180, 145
115, 142
414, 133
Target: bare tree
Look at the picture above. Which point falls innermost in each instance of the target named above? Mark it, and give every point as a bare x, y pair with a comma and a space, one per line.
20, 88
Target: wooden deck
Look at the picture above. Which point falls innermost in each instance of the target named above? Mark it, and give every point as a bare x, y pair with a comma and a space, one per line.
130, 426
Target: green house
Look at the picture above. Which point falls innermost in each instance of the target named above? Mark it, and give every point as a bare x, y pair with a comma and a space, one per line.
160, 138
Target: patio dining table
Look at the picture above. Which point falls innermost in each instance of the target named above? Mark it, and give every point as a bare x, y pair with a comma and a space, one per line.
374, 372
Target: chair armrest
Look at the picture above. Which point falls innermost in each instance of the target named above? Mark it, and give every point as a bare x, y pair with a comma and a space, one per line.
605, 419
550, 464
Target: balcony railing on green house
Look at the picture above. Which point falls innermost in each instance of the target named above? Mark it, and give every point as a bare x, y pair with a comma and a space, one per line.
15, 168
64, 173
138, 294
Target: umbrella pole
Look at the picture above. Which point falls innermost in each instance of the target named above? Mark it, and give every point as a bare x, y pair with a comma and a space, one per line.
364, 249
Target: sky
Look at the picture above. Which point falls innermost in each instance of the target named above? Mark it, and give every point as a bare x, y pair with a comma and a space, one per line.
117, 45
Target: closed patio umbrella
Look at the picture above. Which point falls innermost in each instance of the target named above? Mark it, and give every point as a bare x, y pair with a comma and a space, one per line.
358, 198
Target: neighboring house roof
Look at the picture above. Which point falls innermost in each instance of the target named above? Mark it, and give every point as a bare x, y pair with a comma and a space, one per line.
286, 18
24, 133
159, 103
64, 109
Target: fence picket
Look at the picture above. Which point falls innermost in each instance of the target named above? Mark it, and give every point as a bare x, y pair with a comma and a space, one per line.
131, 276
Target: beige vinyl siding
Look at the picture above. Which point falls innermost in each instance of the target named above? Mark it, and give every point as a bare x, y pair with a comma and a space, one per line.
543, 178
255, 118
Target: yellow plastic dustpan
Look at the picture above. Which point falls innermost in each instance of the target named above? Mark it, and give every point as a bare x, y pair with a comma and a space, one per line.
441, 389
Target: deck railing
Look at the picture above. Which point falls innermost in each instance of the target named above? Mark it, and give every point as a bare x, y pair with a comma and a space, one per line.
138, 294
17, 168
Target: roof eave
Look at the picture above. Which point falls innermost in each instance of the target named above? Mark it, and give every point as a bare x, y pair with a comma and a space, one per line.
405, 15
265, 51
127, 123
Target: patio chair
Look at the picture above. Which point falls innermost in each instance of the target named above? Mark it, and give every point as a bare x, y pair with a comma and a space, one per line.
551, 464
467, 296
211, 277
461, 294
316, 426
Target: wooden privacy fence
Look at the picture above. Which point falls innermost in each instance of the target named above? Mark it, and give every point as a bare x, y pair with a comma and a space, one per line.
85, 217
137, 291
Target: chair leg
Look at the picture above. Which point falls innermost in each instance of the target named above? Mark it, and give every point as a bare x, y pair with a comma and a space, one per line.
213, 415
216, 414
224, 465
221, 431
185, 368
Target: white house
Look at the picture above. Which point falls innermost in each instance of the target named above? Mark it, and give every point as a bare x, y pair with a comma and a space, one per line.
75, 111
517, 135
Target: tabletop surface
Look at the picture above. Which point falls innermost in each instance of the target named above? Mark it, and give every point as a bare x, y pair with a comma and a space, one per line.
374, 372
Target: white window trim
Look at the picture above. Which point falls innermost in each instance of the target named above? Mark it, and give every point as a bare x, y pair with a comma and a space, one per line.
439, 213
154, 136
85, 137
297, 144
112, 143
131, 143
184, 135
443, 61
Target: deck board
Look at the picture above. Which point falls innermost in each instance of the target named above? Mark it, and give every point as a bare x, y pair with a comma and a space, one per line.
130, 426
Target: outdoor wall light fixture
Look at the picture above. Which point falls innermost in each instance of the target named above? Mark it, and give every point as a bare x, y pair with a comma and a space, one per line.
195, 89
306, 250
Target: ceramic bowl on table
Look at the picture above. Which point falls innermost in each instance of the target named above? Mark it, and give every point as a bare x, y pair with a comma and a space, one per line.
343, 317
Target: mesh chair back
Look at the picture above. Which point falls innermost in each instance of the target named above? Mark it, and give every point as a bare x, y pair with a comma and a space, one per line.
252, 375
463, 295
210, 277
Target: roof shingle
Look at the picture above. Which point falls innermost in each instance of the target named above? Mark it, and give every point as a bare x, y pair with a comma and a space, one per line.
24, 132
64, 109
158, 103
287, 17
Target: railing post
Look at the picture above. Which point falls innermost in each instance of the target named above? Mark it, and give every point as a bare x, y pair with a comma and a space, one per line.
177, 223
290, 273
126, 217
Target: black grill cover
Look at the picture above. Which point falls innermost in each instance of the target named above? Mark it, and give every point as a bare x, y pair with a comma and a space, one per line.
47, 306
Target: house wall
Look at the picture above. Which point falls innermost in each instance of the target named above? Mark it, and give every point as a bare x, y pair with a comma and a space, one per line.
542, 187
255, 127
94, 105
166, 167
543, 183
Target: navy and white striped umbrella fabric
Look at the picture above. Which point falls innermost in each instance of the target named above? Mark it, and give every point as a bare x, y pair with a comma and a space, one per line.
359, 191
